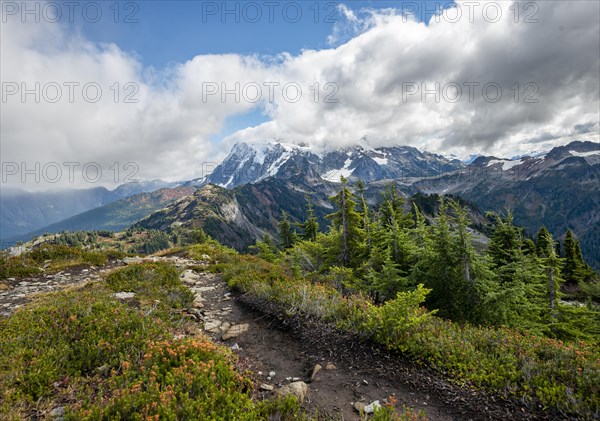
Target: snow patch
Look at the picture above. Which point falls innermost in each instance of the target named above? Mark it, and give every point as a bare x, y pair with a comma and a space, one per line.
590, 153
380, 161
334, 175
506, 164
226, 185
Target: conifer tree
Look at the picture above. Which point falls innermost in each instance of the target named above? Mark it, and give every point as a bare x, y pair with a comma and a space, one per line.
440, 270
364, 211
286, 234
392, 208
543, 242
550, 264
529, 247
572, 264
265, 248
396, 224
420, 231
505, 246
347, 221
310, 227
388, 281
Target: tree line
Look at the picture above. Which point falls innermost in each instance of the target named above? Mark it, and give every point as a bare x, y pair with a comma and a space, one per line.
384, 249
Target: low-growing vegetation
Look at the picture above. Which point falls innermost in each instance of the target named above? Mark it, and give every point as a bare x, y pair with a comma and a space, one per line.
52, 258
103, 358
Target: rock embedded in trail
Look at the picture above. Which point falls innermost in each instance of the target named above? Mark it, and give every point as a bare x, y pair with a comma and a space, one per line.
189, 277
297, 389
360, 407
212, 326
266, 387
198, 301
235, 331
367, 409
315, 371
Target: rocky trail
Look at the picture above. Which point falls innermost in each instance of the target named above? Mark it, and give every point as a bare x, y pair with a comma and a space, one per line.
335, 375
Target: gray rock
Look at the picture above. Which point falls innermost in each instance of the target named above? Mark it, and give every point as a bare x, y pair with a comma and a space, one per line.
124, 295
297, 389
359, 407
266, 387
57, 412
212, 325
132, 260
235, 331
367, 409
225, 327
189, 277
316, 370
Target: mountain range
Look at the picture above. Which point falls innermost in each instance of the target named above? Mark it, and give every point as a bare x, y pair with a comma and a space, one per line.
250, 163
23, 212
244, 196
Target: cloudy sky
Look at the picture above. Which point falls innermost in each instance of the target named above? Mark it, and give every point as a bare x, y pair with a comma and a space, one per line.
163, 90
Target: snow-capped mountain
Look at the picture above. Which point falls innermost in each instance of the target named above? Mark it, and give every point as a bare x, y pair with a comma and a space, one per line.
575, 154
253, 162
250, 163
559, 189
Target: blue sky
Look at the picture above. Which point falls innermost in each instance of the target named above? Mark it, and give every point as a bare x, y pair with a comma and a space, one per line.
176, 31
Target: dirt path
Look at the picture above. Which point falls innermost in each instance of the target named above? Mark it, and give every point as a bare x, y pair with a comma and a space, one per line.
361, 374
352, 370
267, 347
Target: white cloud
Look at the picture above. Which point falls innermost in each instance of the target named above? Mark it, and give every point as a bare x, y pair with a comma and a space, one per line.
167, 132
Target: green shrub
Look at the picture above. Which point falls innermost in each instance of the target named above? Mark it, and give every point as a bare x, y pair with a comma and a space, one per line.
67, 334
212, 248
188, 379
57, 256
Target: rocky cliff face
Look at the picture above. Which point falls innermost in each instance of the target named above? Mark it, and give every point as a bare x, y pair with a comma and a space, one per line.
252, 162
